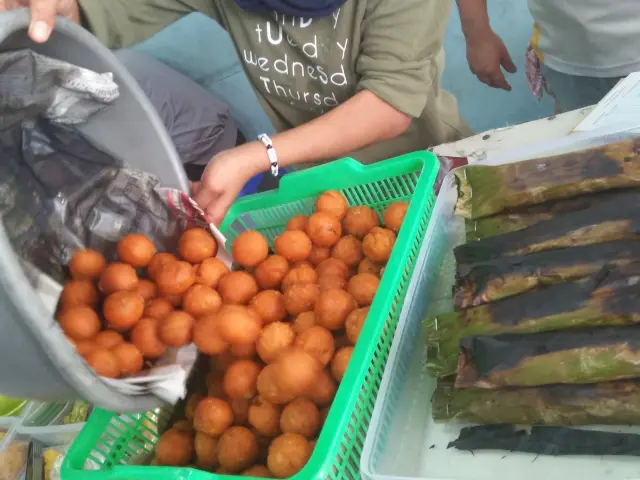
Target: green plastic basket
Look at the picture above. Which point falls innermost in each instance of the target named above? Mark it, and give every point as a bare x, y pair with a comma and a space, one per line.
113, 446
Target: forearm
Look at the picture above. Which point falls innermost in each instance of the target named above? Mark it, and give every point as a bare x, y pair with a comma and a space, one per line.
362, 120
474, 17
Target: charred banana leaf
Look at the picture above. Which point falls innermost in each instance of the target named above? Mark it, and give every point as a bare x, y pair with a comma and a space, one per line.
554, 441
485, 282
615, 219
488, 190
609, 298
613, 403
577, 356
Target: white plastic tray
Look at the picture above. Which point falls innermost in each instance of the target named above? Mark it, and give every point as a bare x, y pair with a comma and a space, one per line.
403, 442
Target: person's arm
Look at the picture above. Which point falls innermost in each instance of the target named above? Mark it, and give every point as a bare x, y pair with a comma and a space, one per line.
400, 42
486, 53
120, 23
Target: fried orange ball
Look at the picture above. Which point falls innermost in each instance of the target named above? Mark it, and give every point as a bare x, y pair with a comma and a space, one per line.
196, 244
340, 362
145, 336
378, 243
303, 273
332, 308
250, 249
394, 214
301, 297
201, 300
147, 289
175, 449
324, 229
355, 322
213, 416
206, 449
332, 281
136, 250
332, 202
299, 222
84, 347
293, 245
296, 370
177, 329
240, 379
243, 352
271, 272
369, 266
264, 417
237, 288
349, 250
318, 341
238, 325
191, 404
269, 305
237, 449
130, 359
210, 272
175, 278
158, 260
87, 264
359, 221
207, 337
302, 417
323, 390
288, 454
80, 323
257, 471
363, 288
77, 293
319, 255
273, 340
118, 277
123, 310
104, 362
158, 308
303, 322
270, 389
109, 339
333, 266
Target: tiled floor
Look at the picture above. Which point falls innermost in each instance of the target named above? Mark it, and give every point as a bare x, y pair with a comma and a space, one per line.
485, 107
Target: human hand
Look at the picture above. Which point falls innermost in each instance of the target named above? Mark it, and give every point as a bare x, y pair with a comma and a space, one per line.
225, 176
43, 14
486, 54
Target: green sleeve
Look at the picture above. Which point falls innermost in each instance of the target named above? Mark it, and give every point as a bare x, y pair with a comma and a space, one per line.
400, 42
119, 23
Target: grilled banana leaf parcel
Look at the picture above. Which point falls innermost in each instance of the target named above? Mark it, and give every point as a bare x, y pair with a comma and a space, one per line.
488, 190
608, 298
517, 219
589, 355
546, 440
485, 282
615, 219
613, 403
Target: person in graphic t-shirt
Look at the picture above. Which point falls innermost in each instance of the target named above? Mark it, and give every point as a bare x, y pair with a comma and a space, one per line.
579, 49
336, 77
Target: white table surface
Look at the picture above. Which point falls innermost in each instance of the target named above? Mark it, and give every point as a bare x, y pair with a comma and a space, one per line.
507, 138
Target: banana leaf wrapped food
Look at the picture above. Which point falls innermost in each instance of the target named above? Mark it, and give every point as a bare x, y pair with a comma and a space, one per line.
517, 219
546, 440
586, 355
612, 403
484, 282
617, 218
488, 190
607, 298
